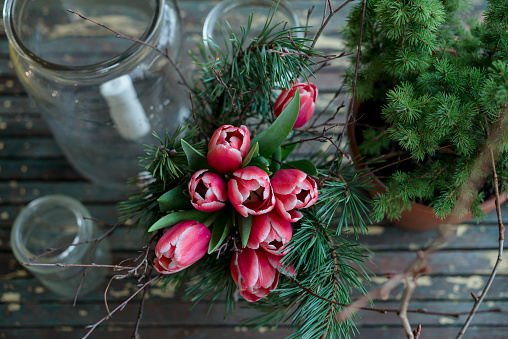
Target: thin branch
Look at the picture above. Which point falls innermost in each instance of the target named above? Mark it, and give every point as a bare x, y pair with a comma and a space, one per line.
120, 307
404, 304
115, 267
479, 300
389, 310
106, 234
183, 81
327, 20
357, 65
140, 311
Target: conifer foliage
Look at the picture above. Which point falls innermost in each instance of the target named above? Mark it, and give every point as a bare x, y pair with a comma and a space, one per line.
440, 84
323, 266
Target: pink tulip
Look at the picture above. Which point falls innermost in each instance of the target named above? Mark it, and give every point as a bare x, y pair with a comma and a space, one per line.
181, 246
293, 190
208, 191
276, 262
271, 232
253, 274
308, 96
250, 192
227, 148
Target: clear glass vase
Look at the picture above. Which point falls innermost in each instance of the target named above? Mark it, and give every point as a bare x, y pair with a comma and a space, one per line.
101, 95
234, 13
54, 222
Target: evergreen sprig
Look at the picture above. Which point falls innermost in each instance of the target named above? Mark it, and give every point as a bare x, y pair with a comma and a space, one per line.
324, 262
166, 165
441, 88
249, 72
235, 87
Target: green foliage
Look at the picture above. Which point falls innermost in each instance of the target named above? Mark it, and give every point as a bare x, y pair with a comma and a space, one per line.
323, 262
444, 85
167, 165
235, 87
272, 60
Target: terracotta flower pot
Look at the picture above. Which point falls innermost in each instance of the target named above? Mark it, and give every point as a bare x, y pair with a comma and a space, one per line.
420, 217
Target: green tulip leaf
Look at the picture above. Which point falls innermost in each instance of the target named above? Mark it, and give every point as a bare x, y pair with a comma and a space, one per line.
175, 217
174, 200
275, 160
272, 137
303, 165
244, 226
262, 163
254, 151
195, 159
286, 150
220, 230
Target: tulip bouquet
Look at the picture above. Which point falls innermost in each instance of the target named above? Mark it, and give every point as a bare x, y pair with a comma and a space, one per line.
235, 207
237, 192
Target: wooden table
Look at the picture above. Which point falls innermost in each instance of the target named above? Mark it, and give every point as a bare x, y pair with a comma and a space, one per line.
32, 165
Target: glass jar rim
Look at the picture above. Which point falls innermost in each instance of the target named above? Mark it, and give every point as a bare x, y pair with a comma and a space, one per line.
111, 63
227, 5
85, 229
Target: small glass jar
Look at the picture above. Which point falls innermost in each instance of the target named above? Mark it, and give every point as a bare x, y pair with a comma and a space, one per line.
234, 13
101, 95
54, 222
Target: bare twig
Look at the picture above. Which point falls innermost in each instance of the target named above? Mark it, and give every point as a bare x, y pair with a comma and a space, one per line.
327, 20
357, 65
183, 81
115, 267
120, 307
106, 234
479, 300
404, 304
140, 310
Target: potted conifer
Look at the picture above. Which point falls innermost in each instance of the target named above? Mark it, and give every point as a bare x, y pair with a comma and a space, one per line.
432, 84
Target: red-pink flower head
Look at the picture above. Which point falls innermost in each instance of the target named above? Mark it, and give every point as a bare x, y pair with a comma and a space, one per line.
227, 148
271, 232
250, 192
293, 190
253, 274
308, 96
181, 246
208, 191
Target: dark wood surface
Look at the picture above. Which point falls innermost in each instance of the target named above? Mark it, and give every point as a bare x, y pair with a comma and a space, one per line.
32, 165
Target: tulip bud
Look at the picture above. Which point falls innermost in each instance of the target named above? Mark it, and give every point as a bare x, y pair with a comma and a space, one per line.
293, 190
276, 262
181, 246
308, 96
208, 191
253, 274
270, 231
250, 192
227, 148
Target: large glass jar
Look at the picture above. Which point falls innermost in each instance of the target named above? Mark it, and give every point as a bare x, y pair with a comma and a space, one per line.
102, 95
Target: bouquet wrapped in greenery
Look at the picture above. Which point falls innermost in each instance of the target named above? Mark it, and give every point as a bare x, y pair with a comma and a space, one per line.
233, 207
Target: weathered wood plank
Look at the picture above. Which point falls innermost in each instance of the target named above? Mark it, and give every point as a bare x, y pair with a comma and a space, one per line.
223, 332
486, 238
19, 192
468, 236
33, 147
106, 212
436, 288
111, 332
178, 313
16, 105
452, 262
38, 169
